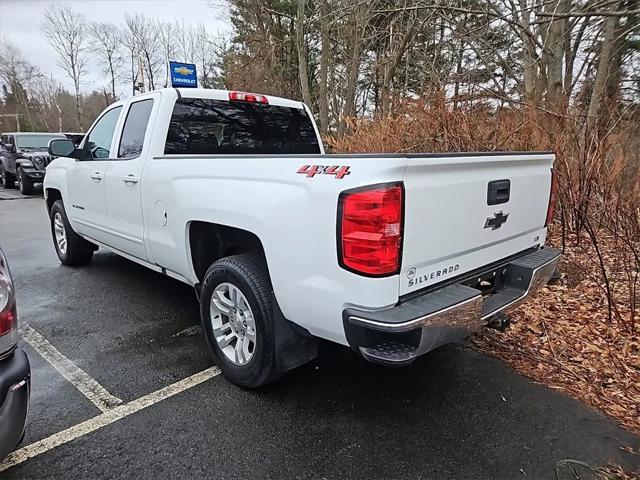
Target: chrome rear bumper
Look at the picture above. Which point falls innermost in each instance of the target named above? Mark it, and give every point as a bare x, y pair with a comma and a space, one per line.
416, 326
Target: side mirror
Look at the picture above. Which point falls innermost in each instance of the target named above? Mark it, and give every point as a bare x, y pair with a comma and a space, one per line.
61, 147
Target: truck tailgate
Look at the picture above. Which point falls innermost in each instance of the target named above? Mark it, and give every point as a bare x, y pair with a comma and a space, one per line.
450, 228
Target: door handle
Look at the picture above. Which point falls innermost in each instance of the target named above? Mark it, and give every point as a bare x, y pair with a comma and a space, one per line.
131, 178
96, 176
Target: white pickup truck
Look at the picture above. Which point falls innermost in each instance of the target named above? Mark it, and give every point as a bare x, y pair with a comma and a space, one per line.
231, 192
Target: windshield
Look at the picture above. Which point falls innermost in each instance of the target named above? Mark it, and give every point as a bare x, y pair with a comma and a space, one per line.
206, 126
35, 141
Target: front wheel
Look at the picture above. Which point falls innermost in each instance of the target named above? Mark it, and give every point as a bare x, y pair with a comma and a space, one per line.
236, 312
25, 184
70, 247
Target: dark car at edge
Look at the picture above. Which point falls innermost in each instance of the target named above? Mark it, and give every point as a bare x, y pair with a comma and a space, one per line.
15, 372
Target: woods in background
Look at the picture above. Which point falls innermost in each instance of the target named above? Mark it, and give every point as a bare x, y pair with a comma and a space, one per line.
356, 58
353, 58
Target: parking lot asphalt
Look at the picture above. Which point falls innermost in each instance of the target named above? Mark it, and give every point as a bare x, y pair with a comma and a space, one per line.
455, 413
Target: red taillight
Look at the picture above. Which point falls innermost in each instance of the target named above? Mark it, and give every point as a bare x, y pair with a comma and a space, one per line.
8, 317
248, 97
370, 223
7, 322
553, 194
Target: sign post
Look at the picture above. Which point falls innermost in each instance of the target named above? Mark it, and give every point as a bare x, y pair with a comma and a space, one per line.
183, 75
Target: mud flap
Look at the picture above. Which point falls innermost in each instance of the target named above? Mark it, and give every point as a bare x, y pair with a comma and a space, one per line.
294, 345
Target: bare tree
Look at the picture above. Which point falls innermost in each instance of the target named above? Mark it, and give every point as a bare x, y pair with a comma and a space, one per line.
48, 92
66, 32
301, 47
108, 42
150, 49
143, 43
359, 18
166, 34
18, 75
325, 54
129, 36
204, 51
184, 38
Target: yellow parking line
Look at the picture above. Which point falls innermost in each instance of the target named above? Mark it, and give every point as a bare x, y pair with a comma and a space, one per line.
106, 418
91, 389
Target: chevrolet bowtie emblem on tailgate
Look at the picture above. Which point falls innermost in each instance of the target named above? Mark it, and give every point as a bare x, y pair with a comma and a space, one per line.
496, 221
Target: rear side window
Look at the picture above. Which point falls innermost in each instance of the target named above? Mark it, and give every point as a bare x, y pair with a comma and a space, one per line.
206, 126
134, 129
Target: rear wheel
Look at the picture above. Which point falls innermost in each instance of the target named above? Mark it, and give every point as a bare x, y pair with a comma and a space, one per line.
70, 247
25, 184
236, 311
6, 179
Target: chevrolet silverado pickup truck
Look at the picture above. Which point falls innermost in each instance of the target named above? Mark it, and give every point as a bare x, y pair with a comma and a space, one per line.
232, 193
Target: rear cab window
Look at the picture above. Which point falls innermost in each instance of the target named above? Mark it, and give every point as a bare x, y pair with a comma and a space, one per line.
207, 126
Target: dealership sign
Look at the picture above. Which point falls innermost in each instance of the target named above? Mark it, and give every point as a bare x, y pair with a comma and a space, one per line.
183, 75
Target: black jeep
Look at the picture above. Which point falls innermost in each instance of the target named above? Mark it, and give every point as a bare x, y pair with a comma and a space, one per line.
24, 157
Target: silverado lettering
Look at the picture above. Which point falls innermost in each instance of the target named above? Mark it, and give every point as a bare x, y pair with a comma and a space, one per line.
435, 274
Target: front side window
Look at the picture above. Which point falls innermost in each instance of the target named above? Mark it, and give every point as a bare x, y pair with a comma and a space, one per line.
97, 144
206, 126
134, 129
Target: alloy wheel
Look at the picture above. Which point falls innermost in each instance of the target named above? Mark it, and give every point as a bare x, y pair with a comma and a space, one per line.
233, 324
60, 233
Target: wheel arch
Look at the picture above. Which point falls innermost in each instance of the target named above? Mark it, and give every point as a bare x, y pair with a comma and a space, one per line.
51, 195
209, 242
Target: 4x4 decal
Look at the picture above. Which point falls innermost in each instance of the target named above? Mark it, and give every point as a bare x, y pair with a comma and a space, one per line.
312, 170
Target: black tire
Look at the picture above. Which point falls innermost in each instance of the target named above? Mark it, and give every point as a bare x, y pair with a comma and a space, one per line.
6, 179
249, 274
78, 251
25, 184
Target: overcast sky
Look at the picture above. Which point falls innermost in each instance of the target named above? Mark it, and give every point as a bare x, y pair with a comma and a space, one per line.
20, 24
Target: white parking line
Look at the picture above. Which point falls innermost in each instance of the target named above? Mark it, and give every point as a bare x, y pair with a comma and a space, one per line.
91, 389
105, 419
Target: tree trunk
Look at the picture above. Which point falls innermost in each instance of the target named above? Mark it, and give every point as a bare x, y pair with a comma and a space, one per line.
324, 67
599, 84
552, 55
456, 87
571, 51
78, 104
357, 34
150, 71
302, 54
530, 58
392, 65
113, 79
615, 68
59, 117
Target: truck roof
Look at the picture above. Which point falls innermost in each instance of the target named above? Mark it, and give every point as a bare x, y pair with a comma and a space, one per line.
222, 95
32, 133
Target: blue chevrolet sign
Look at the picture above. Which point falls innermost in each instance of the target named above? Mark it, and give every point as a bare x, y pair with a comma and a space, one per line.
183, 75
